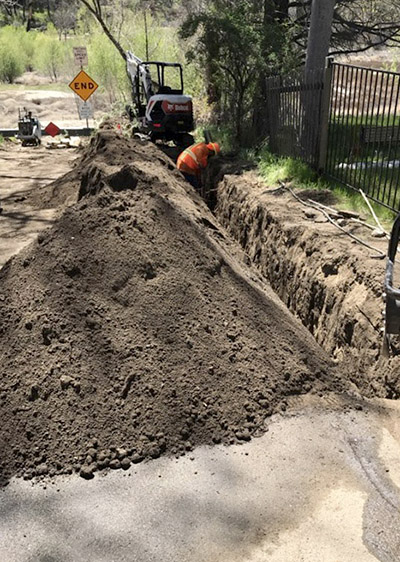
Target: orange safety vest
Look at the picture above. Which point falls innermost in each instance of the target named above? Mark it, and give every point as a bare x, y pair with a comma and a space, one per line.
193, 159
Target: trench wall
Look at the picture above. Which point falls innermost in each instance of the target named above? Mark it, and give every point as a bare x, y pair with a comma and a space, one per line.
332, 285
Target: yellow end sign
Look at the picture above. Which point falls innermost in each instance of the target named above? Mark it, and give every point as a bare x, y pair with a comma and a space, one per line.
83, 85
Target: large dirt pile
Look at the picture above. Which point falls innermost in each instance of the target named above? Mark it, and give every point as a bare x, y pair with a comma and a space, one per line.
106, 153
128, 330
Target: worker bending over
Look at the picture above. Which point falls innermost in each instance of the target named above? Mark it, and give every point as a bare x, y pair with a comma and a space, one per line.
195, 159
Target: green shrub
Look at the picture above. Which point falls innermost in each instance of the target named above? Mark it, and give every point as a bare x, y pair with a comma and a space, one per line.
224, 136
20, 44
27, 41
12, 55
11, 62
50, 55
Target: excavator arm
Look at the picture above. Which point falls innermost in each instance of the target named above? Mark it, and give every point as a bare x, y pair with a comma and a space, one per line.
140, 74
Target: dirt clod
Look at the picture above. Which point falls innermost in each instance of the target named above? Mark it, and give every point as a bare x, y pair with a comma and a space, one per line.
87, 471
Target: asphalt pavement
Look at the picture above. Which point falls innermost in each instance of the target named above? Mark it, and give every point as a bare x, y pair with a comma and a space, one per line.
320, 485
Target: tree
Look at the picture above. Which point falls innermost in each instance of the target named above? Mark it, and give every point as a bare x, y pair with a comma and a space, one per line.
24, 10
101, 9
64, 18
95, 7
152, 7
236, 46
228, 49
357, 25
9, 7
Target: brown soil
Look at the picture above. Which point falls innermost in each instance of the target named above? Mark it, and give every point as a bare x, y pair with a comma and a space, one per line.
23, 172
132, 327
331, 283
99, 160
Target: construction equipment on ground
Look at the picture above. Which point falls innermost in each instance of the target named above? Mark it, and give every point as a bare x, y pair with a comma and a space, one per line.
160, 107
29, 128
392, 295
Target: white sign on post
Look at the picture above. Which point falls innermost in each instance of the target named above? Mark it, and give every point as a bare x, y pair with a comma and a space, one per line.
86, 110
81, 56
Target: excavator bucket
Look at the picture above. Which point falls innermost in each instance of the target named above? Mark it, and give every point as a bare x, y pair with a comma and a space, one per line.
392, 316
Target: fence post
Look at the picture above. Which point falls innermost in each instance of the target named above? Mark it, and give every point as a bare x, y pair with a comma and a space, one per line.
273, 85
326, 102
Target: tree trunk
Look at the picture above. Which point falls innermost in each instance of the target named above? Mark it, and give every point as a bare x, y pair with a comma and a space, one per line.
319, 35
212, 87
96, 12
282, 10
116, 44
275, 13
30, 16
239, 116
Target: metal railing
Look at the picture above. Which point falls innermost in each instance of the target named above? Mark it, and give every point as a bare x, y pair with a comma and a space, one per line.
345, 122
294, 105
364, 132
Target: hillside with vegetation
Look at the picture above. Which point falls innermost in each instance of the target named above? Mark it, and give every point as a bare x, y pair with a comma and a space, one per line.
228, 47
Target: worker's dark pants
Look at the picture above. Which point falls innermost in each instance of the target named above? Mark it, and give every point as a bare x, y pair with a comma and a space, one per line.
193, 180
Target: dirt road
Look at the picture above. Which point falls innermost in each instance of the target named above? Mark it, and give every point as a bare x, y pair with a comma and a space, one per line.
22, 172
47, 101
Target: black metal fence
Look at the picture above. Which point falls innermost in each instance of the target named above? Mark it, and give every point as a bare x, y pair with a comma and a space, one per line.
345, 123
294, 106
363, 138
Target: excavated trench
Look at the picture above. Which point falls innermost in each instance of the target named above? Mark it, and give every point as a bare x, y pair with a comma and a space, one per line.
331, 284
134, 327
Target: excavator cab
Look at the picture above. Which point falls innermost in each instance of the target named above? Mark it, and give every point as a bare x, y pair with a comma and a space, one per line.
169, 77
392, 295
161, 108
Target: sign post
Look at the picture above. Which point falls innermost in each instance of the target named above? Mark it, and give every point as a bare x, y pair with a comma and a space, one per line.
84, 87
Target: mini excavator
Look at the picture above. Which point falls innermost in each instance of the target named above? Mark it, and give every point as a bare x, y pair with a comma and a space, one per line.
392, 295
163, 112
